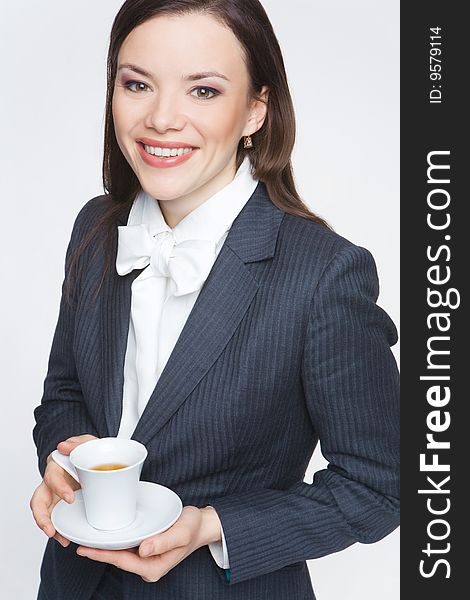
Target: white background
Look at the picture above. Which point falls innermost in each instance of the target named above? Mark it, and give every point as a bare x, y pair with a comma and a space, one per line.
342, 60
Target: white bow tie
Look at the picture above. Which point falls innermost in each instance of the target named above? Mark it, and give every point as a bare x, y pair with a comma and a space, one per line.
187, 263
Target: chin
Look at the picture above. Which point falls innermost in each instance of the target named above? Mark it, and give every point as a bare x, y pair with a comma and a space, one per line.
163, 193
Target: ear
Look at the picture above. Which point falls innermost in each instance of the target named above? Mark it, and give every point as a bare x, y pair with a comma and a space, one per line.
258, 112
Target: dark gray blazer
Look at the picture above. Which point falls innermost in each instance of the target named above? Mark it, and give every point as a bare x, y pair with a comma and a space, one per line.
284, 347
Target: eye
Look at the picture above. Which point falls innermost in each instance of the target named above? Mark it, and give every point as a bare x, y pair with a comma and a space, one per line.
205, 90
129, 85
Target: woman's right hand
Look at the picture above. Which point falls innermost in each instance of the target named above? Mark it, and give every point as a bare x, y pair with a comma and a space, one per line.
56, 485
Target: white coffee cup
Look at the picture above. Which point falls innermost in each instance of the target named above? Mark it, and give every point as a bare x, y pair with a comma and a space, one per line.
110, 497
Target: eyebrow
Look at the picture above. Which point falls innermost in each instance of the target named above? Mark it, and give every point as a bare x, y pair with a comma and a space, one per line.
190, 77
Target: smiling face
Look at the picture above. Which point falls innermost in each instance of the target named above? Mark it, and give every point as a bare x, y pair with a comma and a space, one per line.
181, 101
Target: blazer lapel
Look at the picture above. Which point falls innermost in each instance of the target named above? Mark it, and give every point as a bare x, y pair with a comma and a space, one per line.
219, 308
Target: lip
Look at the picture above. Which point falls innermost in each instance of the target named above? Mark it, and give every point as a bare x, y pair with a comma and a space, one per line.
162, 144
162, 163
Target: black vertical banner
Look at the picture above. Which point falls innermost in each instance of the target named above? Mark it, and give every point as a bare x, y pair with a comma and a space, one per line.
435, 259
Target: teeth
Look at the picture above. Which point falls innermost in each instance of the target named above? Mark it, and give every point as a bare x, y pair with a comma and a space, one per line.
165, 152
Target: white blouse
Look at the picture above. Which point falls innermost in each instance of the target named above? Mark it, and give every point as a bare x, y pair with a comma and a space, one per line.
162, 296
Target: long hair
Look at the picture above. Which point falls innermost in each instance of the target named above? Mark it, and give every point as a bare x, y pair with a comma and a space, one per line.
272, 144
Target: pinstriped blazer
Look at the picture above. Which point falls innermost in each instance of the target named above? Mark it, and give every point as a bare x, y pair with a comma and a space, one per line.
284, 347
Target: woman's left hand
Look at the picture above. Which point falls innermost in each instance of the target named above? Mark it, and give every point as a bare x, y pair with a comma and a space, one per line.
158, 554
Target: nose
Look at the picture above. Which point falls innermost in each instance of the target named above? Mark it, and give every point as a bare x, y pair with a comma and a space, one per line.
164, 112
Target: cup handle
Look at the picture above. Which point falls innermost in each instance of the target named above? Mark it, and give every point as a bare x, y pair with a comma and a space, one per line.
64, 461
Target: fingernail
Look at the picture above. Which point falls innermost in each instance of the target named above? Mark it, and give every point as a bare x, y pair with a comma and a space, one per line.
80, 552
67, 498
147, 550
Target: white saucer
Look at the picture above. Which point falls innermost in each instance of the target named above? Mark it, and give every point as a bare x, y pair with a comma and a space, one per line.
158, 508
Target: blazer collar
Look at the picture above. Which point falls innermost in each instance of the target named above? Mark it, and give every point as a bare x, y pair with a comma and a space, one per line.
219, 309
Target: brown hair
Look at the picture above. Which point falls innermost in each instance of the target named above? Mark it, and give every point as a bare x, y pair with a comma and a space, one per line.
272, 143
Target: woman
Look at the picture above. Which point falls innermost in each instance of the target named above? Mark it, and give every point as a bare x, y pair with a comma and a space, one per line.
207, 313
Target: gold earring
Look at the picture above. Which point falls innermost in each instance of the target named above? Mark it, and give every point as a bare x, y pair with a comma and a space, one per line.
248, 142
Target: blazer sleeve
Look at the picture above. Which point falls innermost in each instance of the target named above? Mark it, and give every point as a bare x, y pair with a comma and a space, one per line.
62, 412
350, 381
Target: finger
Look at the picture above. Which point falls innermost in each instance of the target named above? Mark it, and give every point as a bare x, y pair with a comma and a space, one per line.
158, 566
61, 539
177, 536
60, 482
40, 505
127, 560
66, 446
